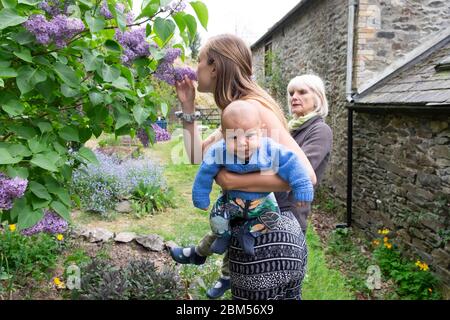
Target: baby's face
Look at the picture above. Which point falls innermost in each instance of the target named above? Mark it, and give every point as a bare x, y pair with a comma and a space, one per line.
243, 141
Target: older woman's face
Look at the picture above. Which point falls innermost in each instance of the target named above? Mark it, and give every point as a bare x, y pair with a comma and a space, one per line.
302, 101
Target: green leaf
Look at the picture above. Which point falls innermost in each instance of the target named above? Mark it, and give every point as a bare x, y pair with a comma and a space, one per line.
44, 162
25, 55
164, 109
68, 92
178, 17
110, 73
69, 134
122, 120
45, 127
6, 158
2, 84
23, 131
6, 72
67, 74
191, 24
28, 77
112, 45
91, 62
19, 150
9, 18
61, 209
13, 107
39, 190
36, 146
10, 4
120, 18
202, 12
30, 2
26, 216
164, 29
121, 83
17, 172
140, 114
87, 154
23, 37
38, 203
149, 10
95, 24
96, 98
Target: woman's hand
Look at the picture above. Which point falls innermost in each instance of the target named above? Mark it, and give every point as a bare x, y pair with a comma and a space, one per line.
186, 94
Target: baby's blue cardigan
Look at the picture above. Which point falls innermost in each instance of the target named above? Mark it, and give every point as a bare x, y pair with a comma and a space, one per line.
266, 157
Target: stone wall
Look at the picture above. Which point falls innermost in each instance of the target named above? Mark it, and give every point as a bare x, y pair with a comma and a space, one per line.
401, 181
389, 29
314, 40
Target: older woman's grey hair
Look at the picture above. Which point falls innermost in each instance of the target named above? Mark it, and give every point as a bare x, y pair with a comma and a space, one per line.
316, 86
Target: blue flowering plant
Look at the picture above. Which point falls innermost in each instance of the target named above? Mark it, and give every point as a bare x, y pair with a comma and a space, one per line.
71, 70
100, 186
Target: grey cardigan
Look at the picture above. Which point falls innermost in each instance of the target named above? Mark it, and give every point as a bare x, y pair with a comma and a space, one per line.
315, 138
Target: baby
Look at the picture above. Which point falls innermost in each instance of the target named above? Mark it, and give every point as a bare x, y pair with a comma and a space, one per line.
244, 150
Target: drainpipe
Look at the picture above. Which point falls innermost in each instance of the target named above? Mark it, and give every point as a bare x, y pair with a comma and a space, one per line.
352, 4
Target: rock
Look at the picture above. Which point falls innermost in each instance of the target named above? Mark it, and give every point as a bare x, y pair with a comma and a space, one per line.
152, 242
98, 235
123, 207
171, 244
125, 237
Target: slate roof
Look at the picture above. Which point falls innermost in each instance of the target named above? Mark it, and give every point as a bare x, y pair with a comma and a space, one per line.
425, 80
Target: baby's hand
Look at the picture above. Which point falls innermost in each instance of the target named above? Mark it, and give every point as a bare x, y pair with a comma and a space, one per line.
302, 204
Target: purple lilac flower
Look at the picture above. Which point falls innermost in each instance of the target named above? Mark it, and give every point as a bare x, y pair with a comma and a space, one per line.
134, 44
180, 73
170, 74
105, 12
10, 189
143, 137
50, 223
171, 55
175, 6
60, 29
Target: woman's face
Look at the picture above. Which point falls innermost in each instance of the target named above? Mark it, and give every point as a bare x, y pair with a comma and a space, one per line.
302, 101
205, 74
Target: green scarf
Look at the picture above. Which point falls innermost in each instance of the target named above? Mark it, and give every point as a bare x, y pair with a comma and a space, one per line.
297, 122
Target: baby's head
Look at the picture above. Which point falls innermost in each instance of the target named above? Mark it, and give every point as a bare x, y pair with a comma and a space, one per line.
241, 128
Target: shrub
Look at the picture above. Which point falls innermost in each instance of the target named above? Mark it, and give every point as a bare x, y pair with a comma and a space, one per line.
99, 187
27, 255
147, 199
139, 280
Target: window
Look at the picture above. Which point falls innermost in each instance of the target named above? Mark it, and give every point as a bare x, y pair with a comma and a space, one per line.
443, 65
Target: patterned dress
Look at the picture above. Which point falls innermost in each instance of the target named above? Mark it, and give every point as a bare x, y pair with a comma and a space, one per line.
277, 269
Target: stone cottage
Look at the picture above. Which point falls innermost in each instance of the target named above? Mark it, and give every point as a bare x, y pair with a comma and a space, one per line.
385, 64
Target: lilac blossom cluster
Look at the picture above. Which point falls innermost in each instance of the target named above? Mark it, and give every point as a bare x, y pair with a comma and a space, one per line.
101, 186
175, 6
170, 74
160, 135
106, 13
10, 189
134, 45
59, 29
50, 223
54, 7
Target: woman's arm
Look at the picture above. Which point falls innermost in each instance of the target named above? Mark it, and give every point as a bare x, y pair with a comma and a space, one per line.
193, 143
253, 182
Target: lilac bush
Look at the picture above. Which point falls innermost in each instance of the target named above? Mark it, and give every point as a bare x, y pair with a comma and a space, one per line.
134, 45
101, 186
10, 189
60, 29
160, 135
51, 223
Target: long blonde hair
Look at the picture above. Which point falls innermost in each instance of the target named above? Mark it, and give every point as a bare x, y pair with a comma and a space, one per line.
232, 59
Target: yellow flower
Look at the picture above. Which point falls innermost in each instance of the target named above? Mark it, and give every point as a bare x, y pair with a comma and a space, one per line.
58, 283
385, 231
375, 242
60, 237
424, 267
385, 239
388, 245
12, 227
430, 290
418, 263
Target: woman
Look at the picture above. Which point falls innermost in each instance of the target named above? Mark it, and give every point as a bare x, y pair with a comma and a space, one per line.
277, 269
